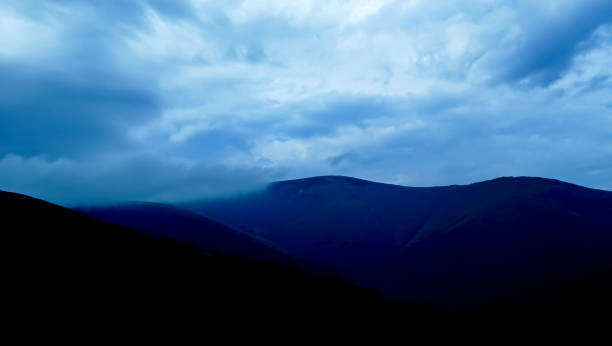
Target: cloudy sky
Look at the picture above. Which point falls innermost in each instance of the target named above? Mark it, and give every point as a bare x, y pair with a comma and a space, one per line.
171, 100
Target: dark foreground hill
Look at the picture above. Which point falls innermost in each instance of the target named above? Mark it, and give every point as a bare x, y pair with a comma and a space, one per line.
507, 241
163, 220
59, 264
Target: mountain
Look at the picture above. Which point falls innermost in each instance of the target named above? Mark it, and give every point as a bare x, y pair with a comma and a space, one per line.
163, 220
64, 267
492, 242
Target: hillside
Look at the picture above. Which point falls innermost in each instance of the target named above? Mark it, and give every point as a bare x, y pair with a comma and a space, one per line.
63, 264
163, 220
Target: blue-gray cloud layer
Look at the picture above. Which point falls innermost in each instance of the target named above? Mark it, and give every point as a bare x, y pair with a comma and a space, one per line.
160, 99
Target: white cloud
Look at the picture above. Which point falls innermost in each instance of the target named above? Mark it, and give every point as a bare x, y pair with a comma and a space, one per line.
591, 67
305, 13
24, 38
279, 152
417, 92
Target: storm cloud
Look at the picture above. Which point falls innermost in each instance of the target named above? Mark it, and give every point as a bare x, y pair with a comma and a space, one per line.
171, 100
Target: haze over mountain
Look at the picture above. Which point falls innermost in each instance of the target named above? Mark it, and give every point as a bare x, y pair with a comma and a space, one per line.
469, 244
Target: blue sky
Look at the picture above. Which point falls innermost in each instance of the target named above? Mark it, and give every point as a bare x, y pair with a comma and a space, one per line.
171, 100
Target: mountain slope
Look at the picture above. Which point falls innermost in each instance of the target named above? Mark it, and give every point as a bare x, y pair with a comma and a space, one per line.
449, 245
156, 219
60, 263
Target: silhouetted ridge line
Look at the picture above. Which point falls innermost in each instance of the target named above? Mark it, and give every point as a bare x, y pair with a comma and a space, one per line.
492, 242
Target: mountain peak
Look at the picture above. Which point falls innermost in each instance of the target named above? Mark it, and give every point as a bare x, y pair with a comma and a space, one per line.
347, 180
324, 179
523, 179
527, 183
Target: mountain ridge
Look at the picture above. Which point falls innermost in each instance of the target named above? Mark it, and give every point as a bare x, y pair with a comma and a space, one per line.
517, 178
373, 231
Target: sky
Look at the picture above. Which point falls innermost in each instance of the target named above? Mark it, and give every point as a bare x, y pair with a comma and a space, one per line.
169, 100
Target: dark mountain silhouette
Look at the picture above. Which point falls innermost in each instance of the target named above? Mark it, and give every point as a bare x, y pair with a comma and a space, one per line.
64, 269
163, 220
501, 241
62, 265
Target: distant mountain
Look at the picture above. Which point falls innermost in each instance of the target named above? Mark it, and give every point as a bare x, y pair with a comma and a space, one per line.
494, 241
163, 220
64, 267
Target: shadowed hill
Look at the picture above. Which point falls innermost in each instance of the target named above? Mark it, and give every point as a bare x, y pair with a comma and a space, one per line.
454, 245
61, 263
156, 219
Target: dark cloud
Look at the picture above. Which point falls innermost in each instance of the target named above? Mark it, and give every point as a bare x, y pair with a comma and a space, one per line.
551, 41
65, 114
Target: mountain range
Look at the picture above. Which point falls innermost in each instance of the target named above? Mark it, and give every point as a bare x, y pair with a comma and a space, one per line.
513, 243
479, 244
